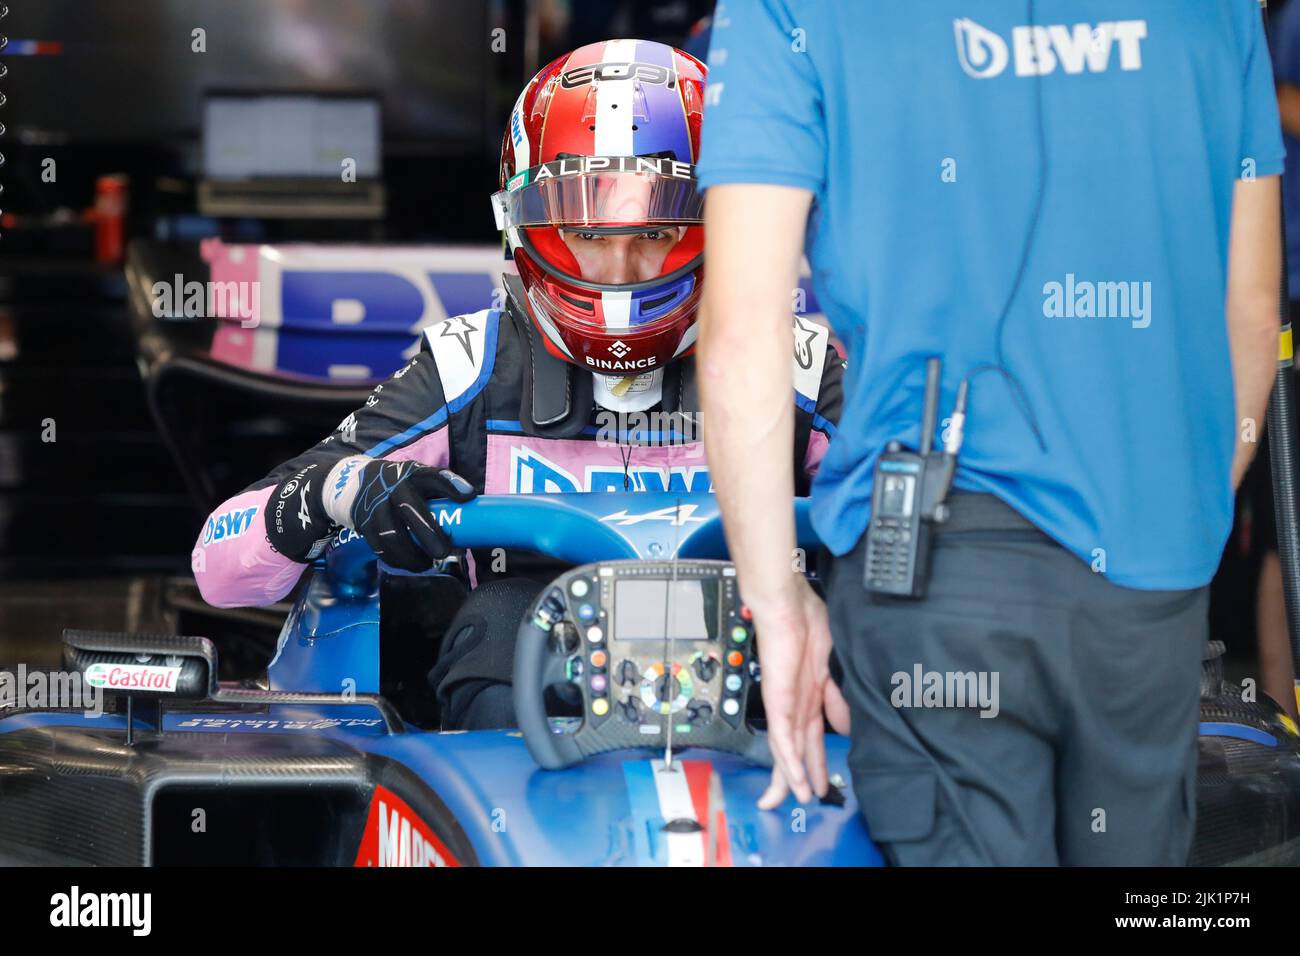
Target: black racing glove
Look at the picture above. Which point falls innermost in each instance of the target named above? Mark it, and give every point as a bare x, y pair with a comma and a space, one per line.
383, 501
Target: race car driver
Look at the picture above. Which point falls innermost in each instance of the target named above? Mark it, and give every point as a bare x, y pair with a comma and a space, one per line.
603, 221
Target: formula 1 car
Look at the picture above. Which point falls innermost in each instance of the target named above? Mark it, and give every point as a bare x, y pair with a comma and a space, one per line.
663, 767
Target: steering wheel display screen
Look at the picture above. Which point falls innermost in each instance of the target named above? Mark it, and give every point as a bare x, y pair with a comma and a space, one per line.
641, 608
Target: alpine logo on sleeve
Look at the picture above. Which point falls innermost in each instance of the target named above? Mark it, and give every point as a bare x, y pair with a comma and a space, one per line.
304, 512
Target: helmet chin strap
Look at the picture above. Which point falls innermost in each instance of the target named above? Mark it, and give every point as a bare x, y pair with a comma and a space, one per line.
630, 393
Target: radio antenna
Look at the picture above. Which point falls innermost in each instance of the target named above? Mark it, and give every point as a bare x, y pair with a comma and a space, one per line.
930, 410
670, 638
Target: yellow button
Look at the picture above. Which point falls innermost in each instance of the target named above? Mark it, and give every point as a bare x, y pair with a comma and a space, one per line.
600, 707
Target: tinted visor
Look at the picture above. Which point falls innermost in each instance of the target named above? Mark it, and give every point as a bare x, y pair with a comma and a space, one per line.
601, 191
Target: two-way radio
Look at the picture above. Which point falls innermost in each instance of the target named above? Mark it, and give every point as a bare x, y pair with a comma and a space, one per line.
907, 498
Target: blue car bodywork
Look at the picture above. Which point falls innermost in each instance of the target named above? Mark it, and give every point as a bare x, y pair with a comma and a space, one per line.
387, 793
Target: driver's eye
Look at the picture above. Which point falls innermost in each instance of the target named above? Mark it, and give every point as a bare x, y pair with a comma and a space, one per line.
587, 236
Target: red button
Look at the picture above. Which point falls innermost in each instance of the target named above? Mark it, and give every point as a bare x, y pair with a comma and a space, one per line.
735, 659
745, 613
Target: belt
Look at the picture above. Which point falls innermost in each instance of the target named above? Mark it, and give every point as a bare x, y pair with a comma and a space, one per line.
978, 511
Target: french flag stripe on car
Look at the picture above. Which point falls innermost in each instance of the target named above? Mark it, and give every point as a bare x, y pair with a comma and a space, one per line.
689, 792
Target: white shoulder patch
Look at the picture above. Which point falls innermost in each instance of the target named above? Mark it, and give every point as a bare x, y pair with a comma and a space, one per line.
811, 339
459, 345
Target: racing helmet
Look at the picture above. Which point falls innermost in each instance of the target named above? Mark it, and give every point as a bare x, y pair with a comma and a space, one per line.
605, 140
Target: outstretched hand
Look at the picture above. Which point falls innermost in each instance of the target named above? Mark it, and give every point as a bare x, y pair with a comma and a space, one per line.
794, 641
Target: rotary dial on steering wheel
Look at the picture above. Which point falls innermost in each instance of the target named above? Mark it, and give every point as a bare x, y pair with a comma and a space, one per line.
666, 695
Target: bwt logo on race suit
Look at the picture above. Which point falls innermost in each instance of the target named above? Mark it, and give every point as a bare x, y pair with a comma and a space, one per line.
531, 473
232, 524
1039, 50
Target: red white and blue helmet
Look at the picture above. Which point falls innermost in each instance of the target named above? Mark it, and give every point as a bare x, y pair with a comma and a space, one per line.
606, 139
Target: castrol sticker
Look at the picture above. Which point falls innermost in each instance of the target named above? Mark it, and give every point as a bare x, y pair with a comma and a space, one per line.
395, 836
148, 677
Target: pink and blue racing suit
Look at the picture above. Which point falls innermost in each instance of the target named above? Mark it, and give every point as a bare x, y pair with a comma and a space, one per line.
485, 399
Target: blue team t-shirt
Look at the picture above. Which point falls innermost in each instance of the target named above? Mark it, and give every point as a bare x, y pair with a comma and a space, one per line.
915, 126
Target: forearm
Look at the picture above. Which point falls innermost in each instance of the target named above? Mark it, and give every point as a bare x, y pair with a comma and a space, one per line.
1252, 339
1253, 309
246, 554
753, 247
233, 562
749, 442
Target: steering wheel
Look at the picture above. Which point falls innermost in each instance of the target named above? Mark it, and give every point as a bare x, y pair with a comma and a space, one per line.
595, 628
641, 558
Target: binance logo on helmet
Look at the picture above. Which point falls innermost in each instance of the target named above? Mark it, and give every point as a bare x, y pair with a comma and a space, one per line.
1039, 50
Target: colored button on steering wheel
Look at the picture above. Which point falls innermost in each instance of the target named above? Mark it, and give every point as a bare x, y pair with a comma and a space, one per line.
653, 676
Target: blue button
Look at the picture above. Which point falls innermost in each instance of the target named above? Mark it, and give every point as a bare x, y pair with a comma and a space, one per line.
586, 613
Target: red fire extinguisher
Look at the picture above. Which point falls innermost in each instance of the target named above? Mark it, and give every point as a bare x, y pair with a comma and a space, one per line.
110, 218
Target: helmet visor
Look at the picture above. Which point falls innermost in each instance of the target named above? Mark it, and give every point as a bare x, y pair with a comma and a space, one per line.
601, 191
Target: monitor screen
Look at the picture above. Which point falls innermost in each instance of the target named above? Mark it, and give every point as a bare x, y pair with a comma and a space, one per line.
246, 137
641, 609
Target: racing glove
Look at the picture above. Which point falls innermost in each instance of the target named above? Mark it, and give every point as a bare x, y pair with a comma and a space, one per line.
383, 501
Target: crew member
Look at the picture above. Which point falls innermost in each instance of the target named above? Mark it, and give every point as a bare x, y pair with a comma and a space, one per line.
1057, 200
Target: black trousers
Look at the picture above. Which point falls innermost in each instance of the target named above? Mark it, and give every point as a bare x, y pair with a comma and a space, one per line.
1026, 711
472, 677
